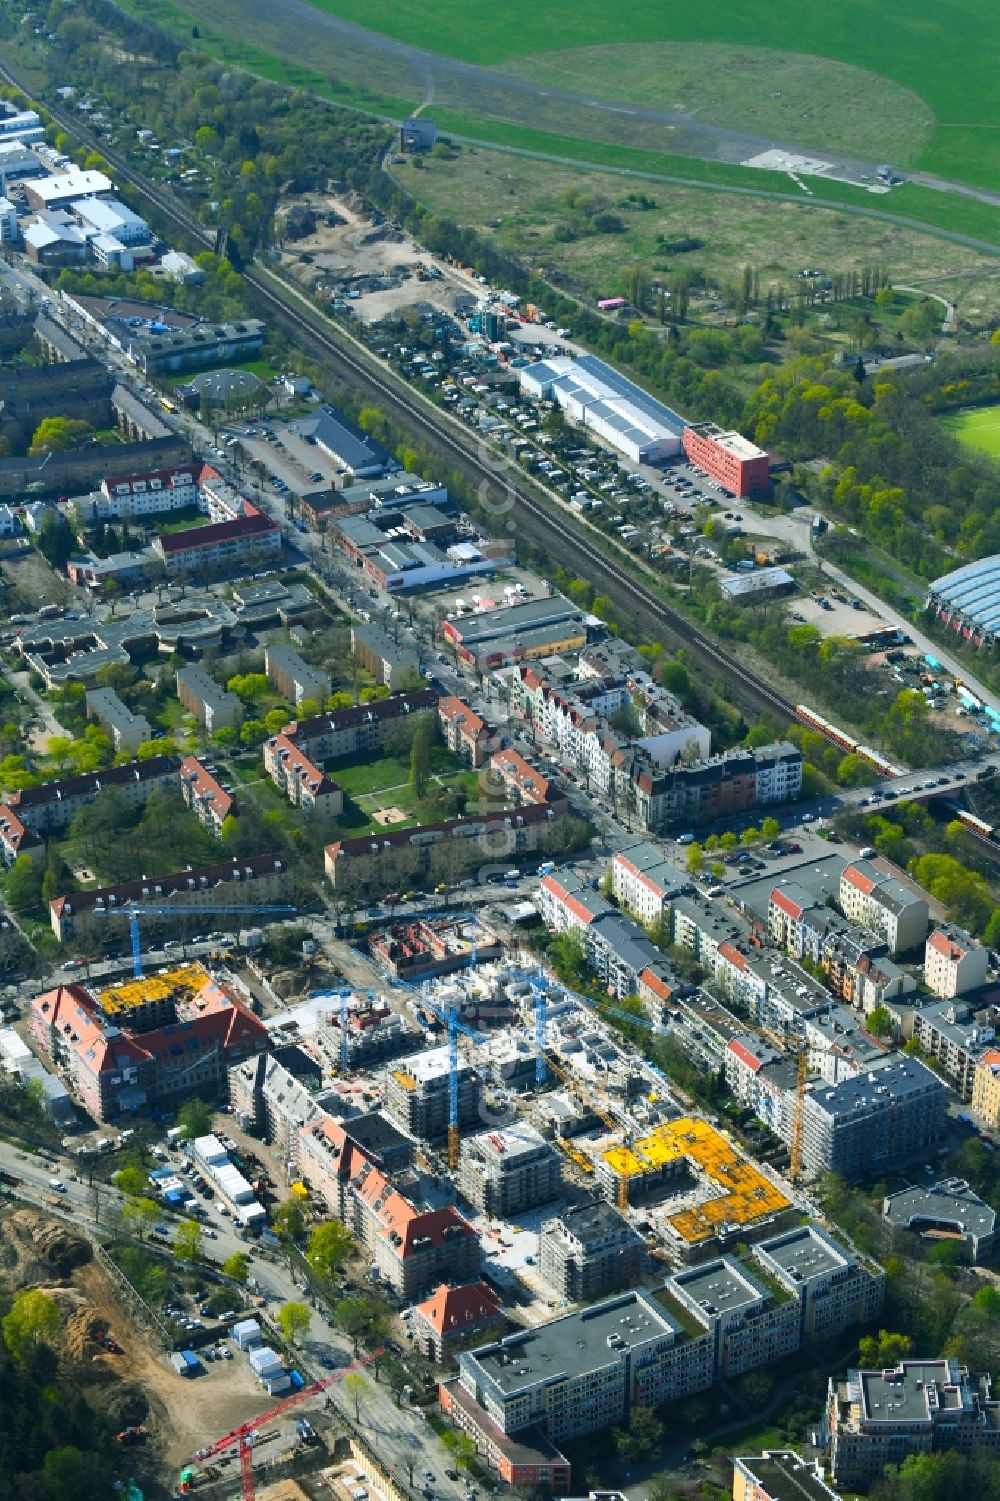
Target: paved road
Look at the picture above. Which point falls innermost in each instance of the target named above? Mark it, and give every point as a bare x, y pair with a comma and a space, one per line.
391, 1431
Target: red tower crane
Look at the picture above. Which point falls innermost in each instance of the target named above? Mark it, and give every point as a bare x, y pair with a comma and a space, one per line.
246, 1433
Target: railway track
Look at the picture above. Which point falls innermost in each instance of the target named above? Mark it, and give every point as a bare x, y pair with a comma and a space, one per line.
606, 574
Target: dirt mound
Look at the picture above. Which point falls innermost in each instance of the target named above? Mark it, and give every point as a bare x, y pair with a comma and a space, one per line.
84, 1332
61, 1250
127, 1406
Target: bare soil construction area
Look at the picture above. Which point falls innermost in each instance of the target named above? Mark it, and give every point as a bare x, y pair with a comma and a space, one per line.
136, 1386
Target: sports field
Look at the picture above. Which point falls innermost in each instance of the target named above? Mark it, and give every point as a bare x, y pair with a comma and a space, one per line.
978, 427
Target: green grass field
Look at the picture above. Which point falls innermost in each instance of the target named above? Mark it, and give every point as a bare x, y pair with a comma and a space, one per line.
977, 427
934, 48
521, 202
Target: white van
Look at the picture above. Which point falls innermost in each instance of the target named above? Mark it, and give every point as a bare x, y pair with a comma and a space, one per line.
57, 1185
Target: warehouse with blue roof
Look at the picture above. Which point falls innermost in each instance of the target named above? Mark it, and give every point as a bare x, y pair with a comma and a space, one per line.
968, 600
599, 398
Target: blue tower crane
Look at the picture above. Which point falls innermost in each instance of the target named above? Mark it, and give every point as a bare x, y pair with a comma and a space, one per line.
454, 1026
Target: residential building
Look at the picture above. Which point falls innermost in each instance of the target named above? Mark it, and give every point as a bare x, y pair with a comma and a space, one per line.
735, 463
359, 729
834, 1288
212, 706
53, 805
390, 662
303, 782
954, 962
16, 838
408, 855
453, 1316
523, 783
127, 730
236, 883
949, 1208
413, 1251
294, 679
9, 232
986, 1088
878, 1418
588, 1251
645, 882
750, 1324
508, 1170
956, 1036
466, 735
224, 549
763, 1079
154, 492
59, 473
416, 1096
273, 1101
115, 1069
779, 1475
883, 904
873, 1122
574, 1375
205, 795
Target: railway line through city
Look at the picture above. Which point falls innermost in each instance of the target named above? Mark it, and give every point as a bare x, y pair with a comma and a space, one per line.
522, 513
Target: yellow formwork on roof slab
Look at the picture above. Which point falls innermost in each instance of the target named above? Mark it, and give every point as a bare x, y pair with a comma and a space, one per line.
747, 1195
180, 984
406, 1080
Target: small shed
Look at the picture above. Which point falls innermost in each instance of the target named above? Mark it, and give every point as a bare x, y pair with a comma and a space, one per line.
265, 1363
247, 1334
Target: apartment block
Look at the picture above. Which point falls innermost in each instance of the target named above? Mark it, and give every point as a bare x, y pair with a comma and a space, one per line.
778, 1475
237, 883
833, 1287
390, 662
875, 1121
53, 806
127, 730
453, 1316
205, 796
277, 1101
466, 734
878, 1418
957, 1036
883, 904
212, 706
222, 549
351, 732
986, 1088
305, 784
506, 1171
417, 1095
16, 838
114, 1068
294, 679
750, 1325
954, 962
588, 1251
644, 882
576, 1374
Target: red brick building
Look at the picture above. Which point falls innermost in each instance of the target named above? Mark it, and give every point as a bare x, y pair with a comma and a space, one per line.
730, 459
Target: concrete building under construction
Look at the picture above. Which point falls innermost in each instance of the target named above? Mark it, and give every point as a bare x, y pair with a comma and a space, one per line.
589, 1251
508, 1170
416, 1097
723, 1193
